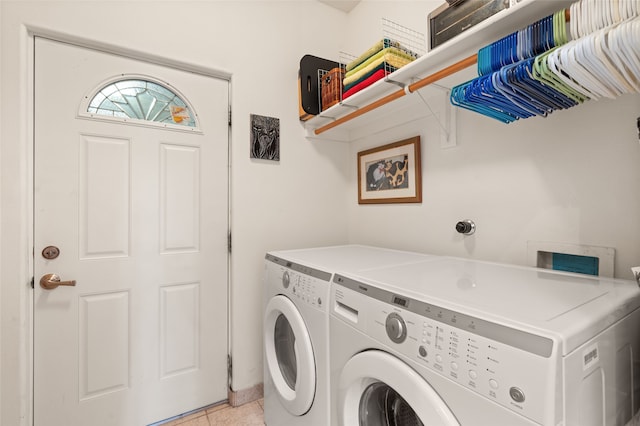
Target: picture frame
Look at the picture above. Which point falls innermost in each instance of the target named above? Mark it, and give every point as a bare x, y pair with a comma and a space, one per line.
390, 173
264, 137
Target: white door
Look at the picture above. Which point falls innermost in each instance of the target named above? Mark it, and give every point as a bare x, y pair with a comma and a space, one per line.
138, 212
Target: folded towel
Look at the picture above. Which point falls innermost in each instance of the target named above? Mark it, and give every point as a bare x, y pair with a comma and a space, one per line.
378, 75
399, 53
383, 66
382, 44
388, 56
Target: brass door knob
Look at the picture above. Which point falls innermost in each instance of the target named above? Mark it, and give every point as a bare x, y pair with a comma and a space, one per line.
52, 281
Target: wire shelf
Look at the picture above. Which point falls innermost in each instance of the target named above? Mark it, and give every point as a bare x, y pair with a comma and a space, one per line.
398, 47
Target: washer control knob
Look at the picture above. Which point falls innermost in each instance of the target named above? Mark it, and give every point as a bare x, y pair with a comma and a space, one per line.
422, 351
516, 394
396, 328
285, 279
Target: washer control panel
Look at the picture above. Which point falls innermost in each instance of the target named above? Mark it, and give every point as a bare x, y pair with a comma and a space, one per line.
509, 366
481, 364
301, 283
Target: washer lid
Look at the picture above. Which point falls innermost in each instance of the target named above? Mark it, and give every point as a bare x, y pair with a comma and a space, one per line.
519, 293
571, 306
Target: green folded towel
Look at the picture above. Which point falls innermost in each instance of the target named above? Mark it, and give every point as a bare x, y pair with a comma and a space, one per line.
394, 57
380, 45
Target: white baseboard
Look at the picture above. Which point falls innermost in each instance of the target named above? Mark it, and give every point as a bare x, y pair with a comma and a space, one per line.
243, 396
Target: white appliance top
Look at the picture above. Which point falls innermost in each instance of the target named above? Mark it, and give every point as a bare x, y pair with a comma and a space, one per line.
350, 258
569, 307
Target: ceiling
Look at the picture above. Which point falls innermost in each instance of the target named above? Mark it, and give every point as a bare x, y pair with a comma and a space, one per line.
344, 5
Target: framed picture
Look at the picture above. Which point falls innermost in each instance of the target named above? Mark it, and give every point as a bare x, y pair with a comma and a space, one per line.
390, 173
265, 137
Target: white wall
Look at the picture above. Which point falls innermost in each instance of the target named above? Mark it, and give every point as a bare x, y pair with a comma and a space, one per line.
296, 202
570, 178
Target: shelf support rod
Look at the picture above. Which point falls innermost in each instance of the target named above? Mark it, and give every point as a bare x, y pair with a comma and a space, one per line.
445, 72
451, 69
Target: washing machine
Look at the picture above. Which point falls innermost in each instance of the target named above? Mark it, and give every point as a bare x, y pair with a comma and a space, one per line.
462, 342
296, 326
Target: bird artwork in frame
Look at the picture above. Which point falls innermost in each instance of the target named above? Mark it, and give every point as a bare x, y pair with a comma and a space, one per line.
265, 138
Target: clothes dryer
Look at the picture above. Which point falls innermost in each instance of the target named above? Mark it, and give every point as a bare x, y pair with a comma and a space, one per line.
296, 326
462, 342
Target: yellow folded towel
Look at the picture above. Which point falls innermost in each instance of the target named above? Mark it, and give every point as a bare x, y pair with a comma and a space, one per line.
394, 57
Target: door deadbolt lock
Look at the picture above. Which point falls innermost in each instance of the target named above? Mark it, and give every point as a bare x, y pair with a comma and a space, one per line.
50, 252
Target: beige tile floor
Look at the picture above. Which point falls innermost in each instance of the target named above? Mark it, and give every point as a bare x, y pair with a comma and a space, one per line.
250, 414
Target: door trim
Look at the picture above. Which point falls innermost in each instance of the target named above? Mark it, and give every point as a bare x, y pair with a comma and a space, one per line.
60, 36
25, 273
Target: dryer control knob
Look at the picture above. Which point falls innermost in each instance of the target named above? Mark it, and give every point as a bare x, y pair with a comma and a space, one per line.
396, 328
285, 279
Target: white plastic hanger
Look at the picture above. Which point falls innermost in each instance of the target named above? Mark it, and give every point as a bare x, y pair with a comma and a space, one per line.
566, 73
581, 62
605, 65
577, 30
624, 43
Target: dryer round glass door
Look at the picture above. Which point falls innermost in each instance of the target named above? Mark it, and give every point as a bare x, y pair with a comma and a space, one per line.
289, 355
378, 389
284, 341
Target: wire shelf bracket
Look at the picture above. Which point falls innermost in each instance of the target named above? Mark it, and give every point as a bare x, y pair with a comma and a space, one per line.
446, 119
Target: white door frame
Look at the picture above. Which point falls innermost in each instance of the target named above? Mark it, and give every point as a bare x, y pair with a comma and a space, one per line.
26, 309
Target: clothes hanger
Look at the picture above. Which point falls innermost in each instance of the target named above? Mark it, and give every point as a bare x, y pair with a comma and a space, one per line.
553, 65
555, 98
608, 56
619, 46
596, 67
459, 98
525, 106
537, 70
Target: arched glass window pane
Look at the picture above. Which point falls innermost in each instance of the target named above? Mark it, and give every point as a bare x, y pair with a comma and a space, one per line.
141, 100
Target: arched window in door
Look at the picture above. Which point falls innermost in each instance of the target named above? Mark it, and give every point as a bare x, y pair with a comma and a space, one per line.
139, 100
